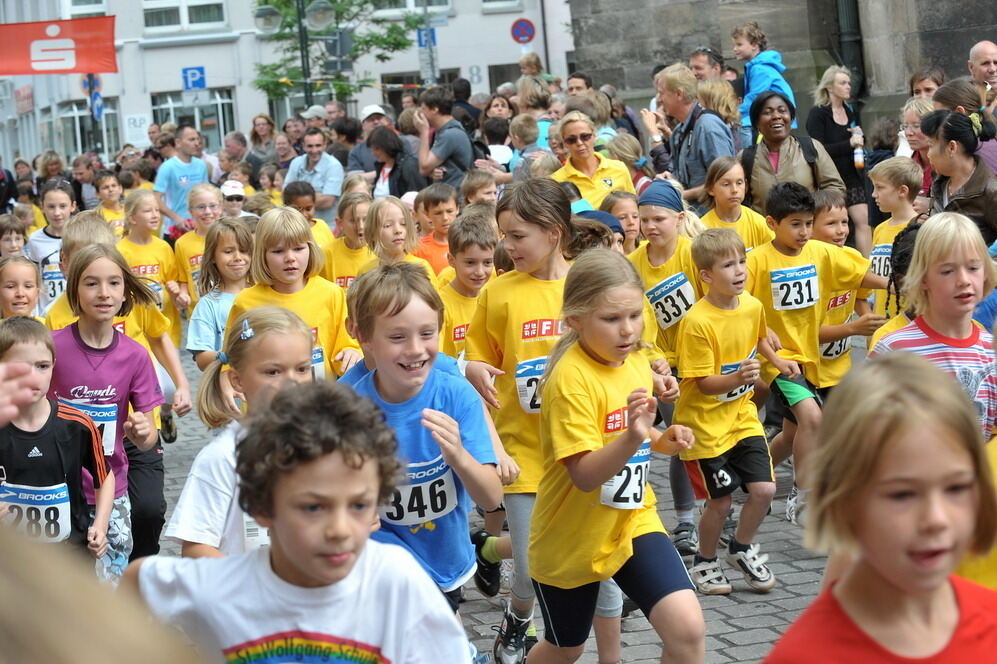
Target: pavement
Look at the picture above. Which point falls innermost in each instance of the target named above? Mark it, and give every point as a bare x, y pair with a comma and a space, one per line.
741, 627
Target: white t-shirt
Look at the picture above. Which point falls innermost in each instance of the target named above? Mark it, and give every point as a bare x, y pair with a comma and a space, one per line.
237, 610
44, 250
208, 511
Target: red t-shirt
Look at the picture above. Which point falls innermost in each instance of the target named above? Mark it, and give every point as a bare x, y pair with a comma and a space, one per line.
825, 634
434, 252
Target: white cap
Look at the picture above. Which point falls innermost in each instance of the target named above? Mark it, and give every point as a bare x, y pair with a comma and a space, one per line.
233, 188
315, 111
369, 110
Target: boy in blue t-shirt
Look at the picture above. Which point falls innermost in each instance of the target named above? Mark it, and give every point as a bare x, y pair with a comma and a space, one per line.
396, 314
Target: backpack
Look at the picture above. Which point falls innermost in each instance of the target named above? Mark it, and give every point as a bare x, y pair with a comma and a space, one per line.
748, 163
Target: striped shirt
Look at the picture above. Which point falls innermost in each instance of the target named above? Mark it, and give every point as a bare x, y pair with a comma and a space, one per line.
969, 360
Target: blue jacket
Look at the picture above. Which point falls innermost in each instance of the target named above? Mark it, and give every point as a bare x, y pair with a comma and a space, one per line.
762, 73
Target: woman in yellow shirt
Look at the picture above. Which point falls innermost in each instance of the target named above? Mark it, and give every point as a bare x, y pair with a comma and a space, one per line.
594, 175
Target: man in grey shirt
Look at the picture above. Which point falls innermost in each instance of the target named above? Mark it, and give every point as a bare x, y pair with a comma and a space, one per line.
449, 156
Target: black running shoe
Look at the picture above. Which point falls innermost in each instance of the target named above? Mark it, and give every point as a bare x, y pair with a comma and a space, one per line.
488, 576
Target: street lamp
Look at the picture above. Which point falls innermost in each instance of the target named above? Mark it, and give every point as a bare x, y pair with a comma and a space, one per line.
318, 16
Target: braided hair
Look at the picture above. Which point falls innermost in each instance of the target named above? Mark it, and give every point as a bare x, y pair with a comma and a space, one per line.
903, 251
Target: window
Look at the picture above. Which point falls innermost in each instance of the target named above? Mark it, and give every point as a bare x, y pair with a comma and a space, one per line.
183, 14
291, 105
399, 6
213, 119
83, 8
81, 133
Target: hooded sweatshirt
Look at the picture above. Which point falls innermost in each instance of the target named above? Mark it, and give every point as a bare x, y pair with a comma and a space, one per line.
762, 73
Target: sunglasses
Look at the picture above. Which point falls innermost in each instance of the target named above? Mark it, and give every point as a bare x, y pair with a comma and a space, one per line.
580, 138
233, 199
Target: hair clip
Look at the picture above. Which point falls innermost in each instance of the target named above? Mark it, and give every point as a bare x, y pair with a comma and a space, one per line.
247, 330
222, 357
640, 163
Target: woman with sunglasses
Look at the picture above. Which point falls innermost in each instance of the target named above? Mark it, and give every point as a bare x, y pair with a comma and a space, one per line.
593, 174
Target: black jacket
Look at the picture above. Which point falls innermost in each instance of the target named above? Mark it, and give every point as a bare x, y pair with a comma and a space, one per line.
404, 177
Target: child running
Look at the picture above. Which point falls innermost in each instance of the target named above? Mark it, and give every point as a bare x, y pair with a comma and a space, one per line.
623, 206
345, 255
895, 183
45, 244
439, 203
110, 208
266, 348
724, 189
285, 268
102, 373
13, 235
596, 420
390, 234
205, 204
19, 279
900, 257
313, 468
900, 481
472, 241
300, 196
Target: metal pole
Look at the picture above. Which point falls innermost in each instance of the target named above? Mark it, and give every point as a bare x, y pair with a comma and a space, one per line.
306, 73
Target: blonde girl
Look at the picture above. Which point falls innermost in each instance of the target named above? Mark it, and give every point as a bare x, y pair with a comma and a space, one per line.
285, 270
390, 234
228, 248
949, 275
901, 483
345, 255
19, 279
595, 428
205, 204
265, 348
623, 206
151, 258
354, 182
626, 148
718, 96
108, 375
724, 191
514, 327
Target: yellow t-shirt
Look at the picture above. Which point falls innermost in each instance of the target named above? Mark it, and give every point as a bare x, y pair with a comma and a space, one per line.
189, 250
579, 537
514, 327
882, 253
983, 569
322, 233
750, 226
714, 342
156, 263
409, 258
610, 175
321, 304
114, 218
792, 289
342, 264
146, 185
457, 312
39, 219
892, 325
276, 197
671, 288
249, 189
142, 321
836, 356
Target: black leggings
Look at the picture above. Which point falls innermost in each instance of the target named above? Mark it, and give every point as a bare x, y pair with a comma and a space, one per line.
146, 483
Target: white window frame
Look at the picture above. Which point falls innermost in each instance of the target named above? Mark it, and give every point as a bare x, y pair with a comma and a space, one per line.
183, 7
174, 100
77, 110
414, 6
94, 8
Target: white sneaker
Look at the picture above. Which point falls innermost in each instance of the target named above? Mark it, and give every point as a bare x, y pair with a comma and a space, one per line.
709, 578
796, 505
751, 564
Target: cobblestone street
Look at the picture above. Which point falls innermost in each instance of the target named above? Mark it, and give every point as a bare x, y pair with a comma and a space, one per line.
741, 627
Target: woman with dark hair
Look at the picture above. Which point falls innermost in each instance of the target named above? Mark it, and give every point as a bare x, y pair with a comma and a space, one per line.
925, 81
395, 171
261, 138
780, 156
963, 183
965, 96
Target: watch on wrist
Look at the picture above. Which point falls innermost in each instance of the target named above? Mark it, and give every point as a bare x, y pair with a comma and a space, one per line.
656, 138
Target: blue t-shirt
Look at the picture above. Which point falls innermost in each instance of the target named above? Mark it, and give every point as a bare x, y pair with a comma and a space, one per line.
428, 513
175, 179
443, 363
986, 311
206, 330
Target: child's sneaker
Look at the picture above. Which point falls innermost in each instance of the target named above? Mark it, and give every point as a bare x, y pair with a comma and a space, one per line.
686, 538
727, 534
751, 565
709, 578
796, 504
486, 576
510, 643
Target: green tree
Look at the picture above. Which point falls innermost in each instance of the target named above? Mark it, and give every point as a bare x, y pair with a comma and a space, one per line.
372, 35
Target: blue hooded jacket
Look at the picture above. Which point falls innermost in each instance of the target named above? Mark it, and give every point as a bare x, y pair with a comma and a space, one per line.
762, 73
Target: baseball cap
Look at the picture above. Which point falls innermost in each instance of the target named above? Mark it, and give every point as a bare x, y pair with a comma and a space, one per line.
369, 110
604, 218
315, 111
233, 188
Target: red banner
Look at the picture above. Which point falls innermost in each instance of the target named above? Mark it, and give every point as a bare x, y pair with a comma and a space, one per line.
82, 45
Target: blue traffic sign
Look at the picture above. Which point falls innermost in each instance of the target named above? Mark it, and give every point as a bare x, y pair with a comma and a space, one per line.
523, 31
97, 105
426, 37
193, 78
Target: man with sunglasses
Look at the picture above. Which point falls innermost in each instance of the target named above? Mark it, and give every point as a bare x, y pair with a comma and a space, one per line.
706, 63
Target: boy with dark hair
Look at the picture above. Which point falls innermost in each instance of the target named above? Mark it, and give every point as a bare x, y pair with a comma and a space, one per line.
793, 277
313, 469
439, 205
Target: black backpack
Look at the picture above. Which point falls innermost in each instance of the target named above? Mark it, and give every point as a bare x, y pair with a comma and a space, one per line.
748, 163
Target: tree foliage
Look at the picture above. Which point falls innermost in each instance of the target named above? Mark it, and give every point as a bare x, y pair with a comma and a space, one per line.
372, 35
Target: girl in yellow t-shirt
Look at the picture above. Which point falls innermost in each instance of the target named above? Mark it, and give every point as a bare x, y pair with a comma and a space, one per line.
268, 174
205, 204
110, 208
595, 517
151, 258
514, 327
348, 253
623, 206
724, 187
285, 268
389, 232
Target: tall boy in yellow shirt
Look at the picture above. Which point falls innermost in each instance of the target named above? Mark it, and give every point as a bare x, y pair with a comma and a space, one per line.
895, 183
718, 341
472, 241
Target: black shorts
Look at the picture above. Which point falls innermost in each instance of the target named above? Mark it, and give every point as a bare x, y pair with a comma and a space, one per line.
453, 598
790, 391
655, 570
748, 461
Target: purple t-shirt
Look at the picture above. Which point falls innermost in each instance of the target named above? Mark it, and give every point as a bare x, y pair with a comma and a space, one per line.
102, 382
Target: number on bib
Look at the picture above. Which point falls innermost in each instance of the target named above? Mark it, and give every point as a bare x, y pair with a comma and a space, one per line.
430, 493
740, 391
40, 512
671, 299
53, 280
528, 374
881, 257
105, 417
834, 349
625, 490
157, 288
794, 288
318, 363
